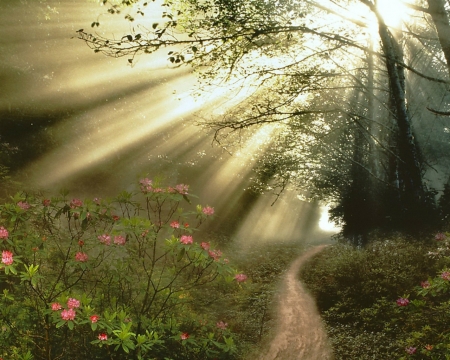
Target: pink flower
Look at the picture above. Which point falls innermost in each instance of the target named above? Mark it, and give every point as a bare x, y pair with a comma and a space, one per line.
73, 303
440, 236
80, 243
411, 350
68, 314
175, 224
81, 256
46, 202
205, 245
94, 318
445, 275
146, 185
119, 240
7, 257
425, 284
184, 336
240, 277
402, 302
207, 210
182, 189
102, 337
23, 205
56, 306
215, 254
186, 239
3, 233
221, 325
76, 203
115, 217
104, 239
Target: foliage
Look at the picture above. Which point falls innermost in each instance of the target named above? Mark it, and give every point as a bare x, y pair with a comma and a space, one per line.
114, 279
357, 292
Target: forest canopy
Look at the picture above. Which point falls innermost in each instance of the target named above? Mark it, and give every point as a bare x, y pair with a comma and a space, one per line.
356, 92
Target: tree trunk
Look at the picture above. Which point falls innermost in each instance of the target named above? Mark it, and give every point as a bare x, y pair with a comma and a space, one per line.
441, 21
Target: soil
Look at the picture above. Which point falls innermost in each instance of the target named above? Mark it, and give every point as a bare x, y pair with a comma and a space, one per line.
300, 333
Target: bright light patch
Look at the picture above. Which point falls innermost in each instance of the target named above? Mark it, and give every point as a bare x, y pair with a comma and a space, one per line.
392, 12
324, 222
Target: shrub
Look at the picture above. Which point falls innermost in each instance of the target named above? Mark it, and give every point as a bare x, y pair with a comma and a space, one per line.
113, 279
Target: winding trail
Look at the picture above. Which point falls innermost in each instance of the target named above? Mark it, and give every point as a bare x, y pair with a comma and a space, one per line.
299, 333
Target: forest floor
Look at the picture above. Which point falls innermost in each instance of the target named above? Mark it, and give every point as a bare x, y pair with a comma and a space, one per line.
299, 332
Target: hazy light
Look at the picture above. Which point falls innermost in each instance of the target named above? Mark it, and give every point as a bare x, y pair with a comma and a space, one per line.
324, 222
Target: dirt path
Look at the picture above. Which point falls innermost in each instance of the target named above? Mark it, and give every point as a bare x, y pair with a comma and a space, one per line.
300, 333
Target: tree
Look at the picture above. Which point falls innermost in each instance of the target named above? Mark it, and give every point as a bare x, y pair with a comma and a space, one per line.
344, 130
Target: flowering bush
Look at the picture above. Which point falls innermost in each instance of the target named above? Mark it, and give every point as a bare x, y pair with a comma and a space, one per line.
109, 279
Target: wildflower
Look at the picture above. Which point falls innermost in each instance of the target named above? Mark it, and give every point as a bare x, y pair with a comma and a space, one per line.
205, 246
46, 202
102, 337
3, 233
73, 303
115, 217
80, 243
215, 254
35, 249
68, 314
146, 185
186, 225
119, 240
104, 239
411, 350
440, 236
76, 203
429, 347
182, 189
94, 318
221, 325
56, 306
184, 336
425, 284
445, 275
81, 256
402, 302
186, 239
175, 224
23, 205
7, 257
207, 210
240, 277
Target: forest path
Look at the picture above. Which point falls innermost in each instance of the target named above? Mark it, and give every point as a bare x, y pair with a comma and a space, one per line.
299, 333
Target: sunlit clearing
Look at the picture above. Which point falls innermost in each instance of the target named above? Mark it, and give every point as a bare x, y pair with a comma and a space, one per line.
324, 222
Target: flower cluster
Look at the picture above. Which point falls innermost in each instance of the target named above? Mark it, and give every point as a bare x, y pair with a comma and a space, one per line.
440, 236
240, 277
175, 224
146, 185
411, 350
81, 256
221, 325
23, 205
68, 314
182, 189
215, 254
208, 211
186, 239
445, 275
94, 318
119, 240
76, 203
184, 336
7, 257
102, 337
104, 239
3, 233
425, 284
402, 302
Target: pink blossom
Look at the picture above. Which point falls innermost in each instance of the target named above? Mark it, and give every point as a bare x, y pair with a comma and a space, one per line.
215, 254
175, 224
102, 337
445, 275
94, 318
184, 336
23, 205
80, 243
104, 239
115, 217
186, 225
76, 203
68, 314
186, 239
146, 185
402, 302
440, 236
207, 210
182, 189
7, 257
222, 325
425, 284
56, 306
411, 350
81, 256
119, 240
46, 202
205, 245
158, 190
73, 303
3, 233
240, 277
